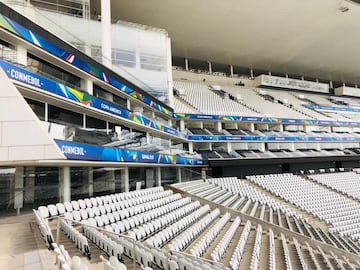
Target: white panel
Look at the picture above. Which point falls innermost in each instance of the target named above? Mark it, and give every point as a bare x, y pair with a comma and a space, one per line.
12, 110
22, 133
33, 152
4, 155
21, 130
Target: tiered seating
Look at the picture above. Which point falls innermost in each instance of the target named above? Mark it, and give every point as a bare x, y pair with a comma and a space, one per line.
44, 228
207, 102
220, 249
65, 262
344, 182
104, 242
239, 250
256, 251
253, 99
112, 264
180, 106
272, 261
342, 213
202, 245
160, 219
286, 252
77, 238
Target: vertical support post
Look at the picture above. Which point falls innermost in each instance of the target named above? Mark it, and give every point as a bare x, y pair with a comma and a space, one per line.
106, 32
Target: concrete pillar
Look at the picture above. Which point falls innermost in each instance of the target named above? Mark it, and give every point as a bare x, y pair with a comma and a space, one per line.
64, 184
281, 128
191, 147
186, 64
218, 126
87, 85
19, 189
84, 120
252, 127
228, 147
210, 67
106, 32
29, 186
269, 73
148, 137
251, 73
46, 112
182, 125
21, 55
128, 104
90, 177
125, 186
157, 176
231, 71
178, 175
331, 84
110, 175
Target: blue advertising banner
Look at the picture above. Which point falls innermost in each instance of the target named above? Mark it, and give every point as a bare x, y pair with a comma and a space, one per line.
79, 151
32, 79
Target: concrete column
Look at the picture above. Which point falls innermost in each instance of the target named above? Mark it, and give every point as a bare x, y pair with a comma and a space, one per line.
231, 71
157, 176
178, 175
182, 125
228, 147
186, 64
210, 67
281, 128
125, 186
128, 104
252, 127
84, 120
110, 175
191, 147
251, 73
218, 126
106, 32
148, 137
30, 187
331, 84
19, 189
90, 177
46, 112
64, 184
21, 55
87, 85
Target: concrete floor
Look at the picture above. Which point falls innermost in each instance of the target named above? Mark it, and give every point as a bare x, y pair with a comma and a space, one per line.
21, 245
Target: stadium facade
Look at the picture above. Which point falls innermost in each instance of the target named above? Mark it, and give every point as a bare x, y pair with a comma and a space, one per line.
73, 127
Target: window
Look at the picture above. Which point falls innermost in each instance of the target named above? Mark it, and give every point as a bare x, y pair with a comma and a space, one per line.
37, 107
65, 117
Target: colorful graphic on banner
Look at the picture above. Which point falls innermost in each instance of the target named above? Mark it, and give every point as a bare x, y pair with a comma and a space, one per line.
34, 80
34, 38
79, 151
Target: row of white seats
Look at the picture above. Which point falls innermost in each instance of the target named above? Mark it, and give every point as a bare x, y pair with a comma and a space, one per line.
331, 207
242, 188
202, 245
105, 216
125, 199
169, 215
299, 253
162, 237
76, 237
255, 256
345, 182
219, 251
272, 260
65, 262
112, 263
312, 256
286, 252
44, 229
104, 242
239, 249
190, 234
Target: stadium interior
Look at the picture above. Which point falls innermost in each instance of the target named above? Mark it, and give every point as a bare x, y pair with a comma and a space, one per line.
131, 138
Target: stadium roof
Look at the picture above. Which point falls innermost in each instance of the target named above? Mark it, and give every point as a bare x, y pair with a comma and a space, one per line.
318, 39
